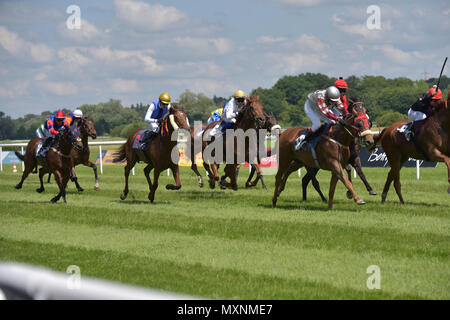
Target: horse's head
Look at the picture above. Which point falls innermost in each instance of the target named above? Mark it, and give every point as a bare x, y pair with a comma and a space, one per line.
358, 122
178, 119
71, 137
252, 114
271, 123
88, 127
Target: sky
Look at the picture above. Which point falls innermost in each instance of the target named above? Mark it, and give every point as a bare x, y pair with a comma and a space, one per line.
133, 50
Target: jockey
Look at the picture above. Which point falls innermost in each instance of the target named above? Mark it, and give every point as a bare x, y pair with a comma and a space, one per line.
154, 116
341, 84
75, 117
216, 115
51, 127
317, 108
230, 111
422, 108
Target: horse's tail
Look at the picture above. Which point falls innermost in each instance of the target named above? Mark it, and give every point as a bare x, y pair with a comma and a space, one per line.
121, 154
19, 155
376, 138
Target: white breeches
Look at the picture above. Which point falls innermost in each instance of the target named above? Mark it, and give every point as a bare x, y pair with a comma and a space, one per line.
416, 115
153, 126
315, 117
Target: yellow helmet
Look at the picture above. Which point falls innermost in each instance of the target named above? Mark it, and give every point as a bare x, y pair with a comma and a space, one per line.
240, 94
164, 98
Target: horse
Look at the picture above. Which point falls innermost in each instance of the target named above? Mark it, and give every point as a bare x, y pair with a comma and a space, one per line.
58, 160
251, 117
433, 140
332, 152
158, 153
87, 129
195, 139
354, 161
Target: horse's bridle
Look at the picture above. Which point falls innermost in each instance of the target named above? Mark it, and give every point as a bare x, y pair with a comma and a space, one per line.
257, 122
359, 134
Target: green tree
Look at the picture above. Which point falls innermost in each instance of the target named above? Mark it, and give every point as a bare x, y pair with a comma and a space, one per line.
197, 105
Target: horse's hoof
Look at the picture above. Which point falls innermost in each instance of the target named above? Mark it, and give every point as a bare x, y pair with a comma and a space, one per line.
235, 188
18, 186
349, 195
360, 202
96, 187
383, 197
54, 200
40, 190
372, 193
264, 187
80, 189
123, 196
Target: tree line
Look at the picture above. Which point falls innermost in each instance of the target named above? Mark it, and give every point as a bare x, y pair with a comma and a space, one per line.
387, 101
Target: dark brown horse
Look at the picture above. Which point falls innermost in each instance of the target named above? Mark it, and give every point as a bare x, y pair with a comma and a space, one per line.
195, 139
251, 117
158, 155
58, 160
332, 153
87, 129
433, 138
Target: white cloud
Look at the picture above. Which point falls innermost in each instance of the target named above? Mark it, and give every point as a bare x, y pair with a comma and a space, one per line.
396, 55
307, 41
81, 56
86, 32
124, 86
205, 46
62, 88
15, 45
15, 90
294, 62
270, 40
147, 16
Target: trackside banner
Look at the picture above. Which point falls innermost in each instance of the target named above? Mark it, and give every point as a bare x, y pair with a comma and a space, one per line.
378, 158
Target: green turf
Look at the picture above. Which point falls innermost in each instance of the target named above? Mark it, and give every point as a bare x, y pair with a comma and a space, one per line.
226, 244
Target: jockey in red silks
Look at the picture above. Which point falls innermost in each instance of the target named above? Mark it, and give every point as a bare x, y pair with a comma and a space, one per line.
52, 126
341, 84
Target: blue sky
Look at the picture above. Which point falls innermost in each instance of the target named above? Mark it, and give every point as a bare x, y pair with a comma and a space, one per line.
133, 50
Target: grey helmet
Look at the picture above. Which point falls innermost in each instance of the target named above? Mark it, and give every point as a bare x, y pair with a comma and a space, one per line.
332, 93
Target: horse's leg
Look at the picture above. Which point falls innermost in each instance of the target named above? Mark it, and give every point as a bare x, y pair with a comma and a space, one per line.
199, 176
333, 181
147, 171
395, 161
436, 155
42, 172
26, 172
348, 169
151, 195
358, 167
230, 171
130, 164
49, 177
293, 166
212, 182
176, 175
65, 179
311, 174
337, 169
74, 179
282, 169
92, 165
59, 181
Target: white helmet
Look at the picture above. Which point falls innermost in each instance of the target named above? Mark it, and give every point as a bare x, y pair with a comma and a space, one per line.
332, 93
78, 113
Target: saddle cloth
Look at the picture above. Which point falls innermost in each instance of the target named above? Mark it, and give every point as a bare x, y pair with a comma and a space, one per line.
139, 140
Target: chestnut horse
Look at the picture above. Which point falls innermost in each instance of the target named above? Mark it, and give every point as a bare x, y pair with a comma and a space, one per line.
158, 155
332, 152
433, 138
87, 129
58, 160
251, 117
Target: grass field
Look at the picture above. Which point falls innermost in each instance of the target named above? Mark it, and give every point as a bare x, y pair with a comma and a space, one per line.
233, 245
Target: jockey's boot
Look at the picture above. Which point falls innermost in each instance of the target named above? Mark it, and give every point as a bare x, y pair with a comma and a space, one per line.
45, 147
149, 135
409, 134
311, 134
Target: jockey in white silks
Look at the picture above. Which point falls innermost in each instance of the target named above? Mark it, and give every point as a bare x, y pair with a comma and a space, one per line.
154, 115
230, 112
318, 107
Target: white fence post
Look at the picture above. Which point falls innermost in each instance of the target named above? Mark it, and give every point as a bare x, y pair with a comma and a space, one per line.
101, 158
23, 164
417, 170
1, 159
